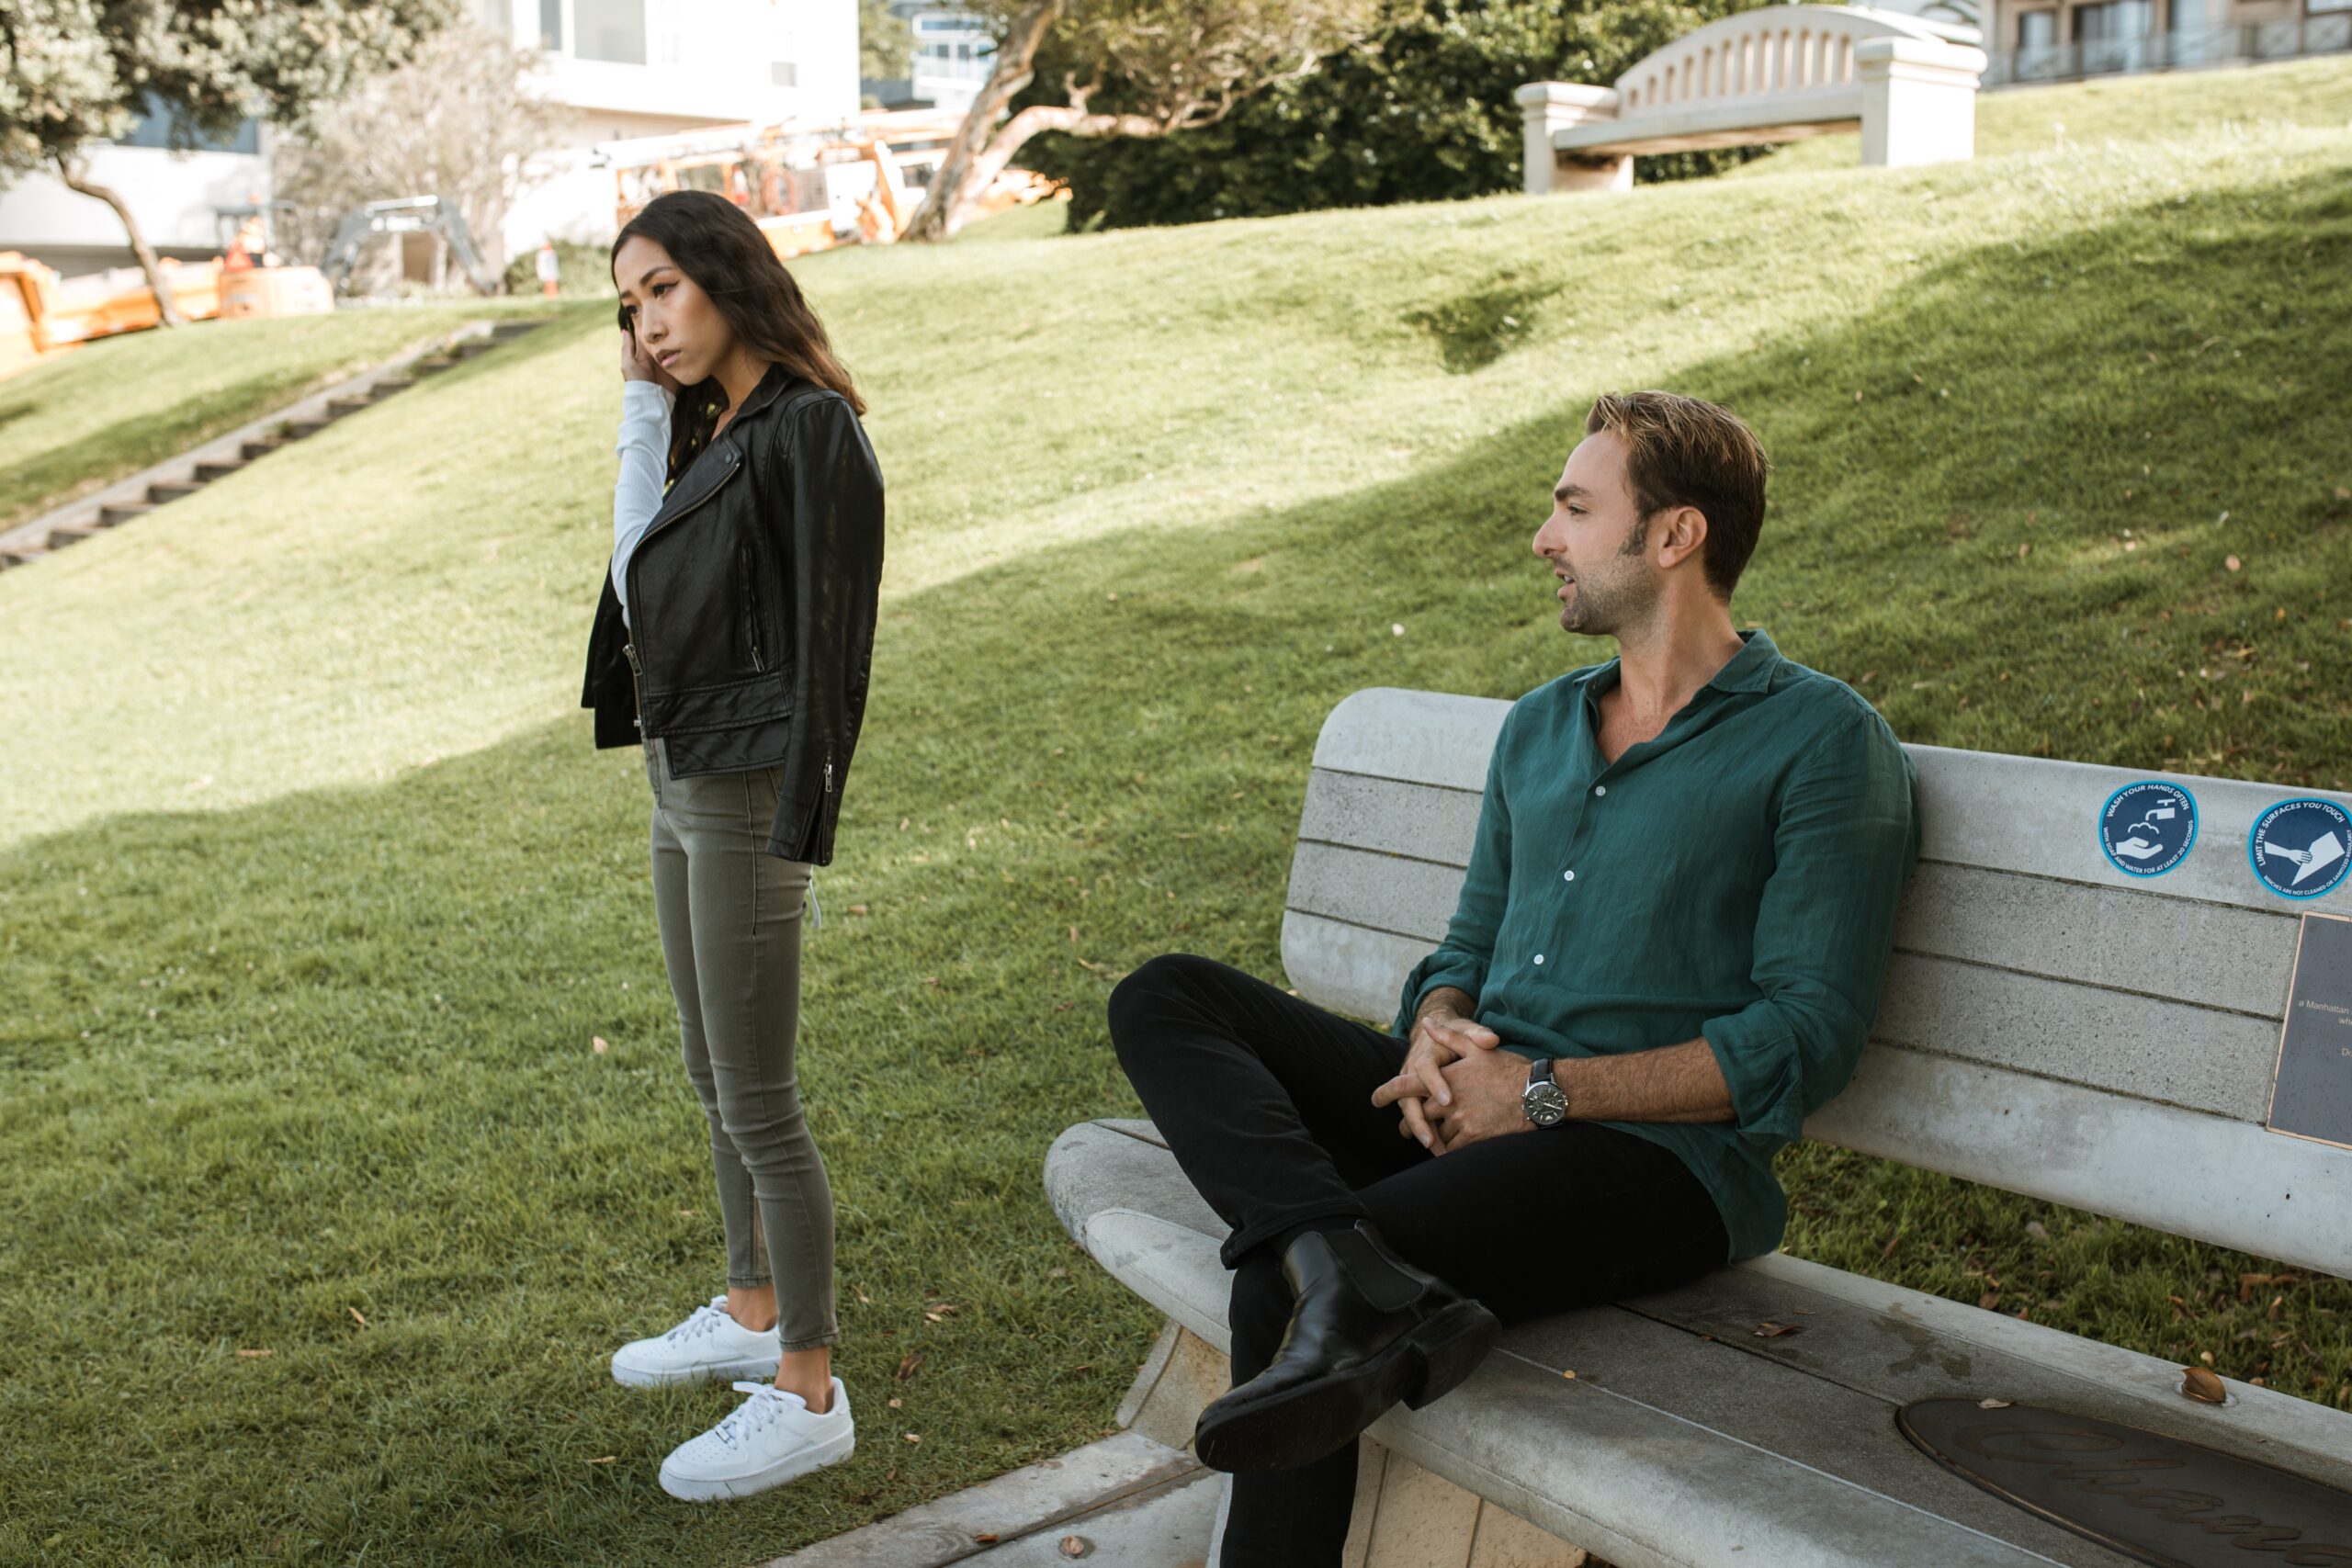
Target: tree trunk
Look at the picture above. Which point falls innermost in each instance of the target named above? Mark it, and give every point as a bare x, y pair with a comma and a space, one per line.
71, 172
1013, 70
1034, 120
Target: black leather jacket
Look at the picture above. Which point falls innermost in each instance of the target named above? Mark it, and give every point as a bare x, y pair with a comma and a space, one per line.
753, 593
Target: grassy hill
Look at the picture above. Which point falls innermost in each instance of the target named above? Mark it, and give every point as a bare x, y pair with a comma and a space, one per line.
103, 411
313, 895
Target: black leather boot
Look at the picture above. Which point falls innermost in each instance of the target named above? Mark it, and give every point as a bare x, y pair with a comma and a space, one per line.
1368, 1330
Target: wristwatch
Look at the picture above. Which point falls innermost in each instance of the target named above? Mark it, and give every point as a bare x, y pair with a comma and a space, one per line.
1545, 1104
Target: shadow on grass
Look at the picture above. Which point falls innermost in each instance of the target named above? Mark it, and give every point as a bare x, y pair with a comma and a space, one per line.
318, 1078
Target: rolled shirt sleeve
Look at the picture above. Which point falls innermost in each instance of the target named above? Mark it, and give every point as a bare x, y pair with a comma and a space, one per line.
1461, 960
1846, 838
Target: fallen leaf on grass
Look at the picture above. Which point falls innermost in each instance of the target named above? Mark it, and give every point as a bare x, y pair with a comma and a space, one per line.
860, 909
1777, 1330
897, 1405
596, 1044
606, 1458
912, 1436
907, 1368
255, 1355
357, 1316
2231, 562
2202, 1386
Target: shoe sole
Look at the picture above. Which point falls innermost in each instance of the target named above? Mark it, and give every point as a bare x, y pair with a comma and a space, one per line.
804, 1462
1305, 1424
759, 1368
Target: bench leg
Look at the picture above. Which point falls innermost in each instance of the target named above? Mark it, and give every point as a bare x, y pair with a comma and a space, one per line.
1405, 1517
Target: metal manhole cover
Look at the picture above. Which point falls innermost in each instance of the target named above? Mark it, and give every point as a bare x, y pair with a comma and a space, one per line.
2149, 1496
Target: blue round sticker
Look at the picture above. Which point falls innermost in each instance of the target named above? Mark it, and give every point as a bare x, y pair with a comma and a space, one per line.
2146, 828
2301, 847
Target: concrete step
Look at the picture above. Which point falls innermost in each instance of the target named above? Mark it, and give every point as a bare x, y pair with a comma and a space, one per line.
122, 512
162, 494
298, 428
434, 366
474, 349
66, 533
338, 407
386, 386
21, 555
207, 472
262, 447
507, 331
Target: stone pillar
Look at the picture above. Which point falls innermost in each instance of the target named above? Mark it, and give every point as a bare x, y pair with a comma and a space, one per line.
1550, 106
1918, 100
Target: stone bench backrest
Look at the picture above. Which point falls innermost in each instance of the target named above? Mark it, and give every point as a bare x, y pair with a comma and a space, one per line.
2050, 1025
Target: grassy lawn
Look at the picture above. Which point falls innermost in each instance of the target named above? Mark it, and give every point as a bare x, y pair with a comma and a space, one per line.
102, 412
2185, 106
313, 895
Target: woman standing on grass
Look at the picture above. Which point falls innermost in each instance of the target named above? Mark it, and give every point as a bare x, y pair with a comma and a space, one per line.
733, 642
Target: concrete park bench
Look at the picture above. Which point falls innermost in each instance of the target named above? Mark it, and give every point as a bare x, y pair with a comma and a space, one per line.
2050, 1026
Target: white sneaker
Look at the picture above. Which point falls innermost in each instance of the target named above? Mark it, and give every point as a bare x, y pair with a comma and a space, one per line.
707, 1347
770, 1439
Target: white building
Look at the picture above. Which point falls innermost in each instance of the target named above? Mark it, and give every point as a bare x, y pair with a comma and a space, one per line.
622, 68
952, 56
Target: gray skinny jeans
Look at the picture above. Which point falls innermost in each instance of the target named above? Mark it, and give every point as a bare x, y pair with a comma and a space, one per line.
730, 938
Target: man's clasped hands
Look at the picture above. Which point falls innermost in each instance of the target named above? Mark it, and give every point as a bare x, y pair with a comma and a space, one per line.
1455, 1087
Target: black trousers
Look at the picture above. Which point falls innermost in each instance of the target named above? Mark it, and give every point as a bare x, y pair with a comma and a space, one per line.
1266, 1102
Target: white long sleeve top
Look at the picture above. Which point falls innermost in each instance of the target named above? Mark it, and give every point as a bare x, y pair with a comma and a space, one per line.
644, 448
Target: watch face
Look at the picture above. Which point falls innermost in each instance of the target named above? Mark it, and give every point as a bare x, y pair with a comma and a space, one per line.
1546, 1106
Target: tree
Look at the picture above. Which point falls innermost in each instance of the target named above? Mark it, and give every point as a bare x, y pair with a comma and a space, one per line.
455, 121
885, 43
1427, 115
74, 72
1158, 66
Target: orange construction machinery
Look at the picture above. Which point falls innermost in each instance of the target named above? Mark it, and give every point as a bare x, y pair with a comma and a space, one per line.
808, 186
40, 312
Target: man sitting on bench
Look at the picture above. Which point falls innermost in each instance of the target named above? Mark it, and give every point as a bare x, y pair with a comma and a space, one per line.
1667, 951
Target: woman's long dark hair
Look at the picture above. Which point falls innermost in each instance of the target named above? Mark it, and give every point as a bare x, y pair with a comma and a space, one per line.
715, 242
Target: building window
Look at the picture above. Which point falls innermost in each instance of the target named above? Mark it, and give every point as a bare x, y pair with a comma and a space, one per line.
2114, 21
783, 73
551, 25
2037, 30
154, 128
2321, 7
609, 29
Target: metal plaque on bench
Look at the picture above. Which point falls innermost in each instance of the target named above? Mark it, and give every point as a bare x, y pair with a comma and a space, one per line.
2311, 1094
2153, 1498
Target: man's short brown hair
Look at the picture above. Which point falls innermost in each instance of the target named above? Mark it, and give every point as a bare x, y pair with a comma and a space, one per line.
1685, 452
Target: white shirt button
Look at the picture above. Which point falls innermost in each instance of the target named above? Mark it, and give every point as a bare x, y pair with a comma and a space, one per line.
1567, 877
1601, 789
1539, 958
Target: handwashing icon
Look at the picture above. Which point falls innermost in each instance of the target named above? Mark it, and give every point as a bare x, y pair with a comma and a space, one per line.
2139, 848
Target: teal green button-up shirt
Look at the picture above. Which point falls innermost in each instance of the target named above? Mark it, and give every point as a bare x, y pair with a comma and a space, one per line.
1736, 878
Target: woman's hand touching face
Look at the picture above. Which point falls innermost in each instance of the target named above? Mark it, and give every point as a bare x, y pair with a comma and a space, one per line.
639, 366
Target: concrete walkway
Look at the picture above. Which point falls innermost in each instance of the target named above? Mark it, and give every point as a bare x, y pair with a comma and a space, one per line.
1128, 1499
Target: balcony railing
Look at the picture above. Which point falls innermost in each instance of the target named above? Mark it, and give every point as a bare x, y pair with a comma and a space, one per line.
2238, 44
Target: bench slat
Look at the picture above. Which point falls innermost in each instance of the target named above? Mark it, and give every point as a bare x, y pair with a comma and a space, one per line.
1411, 897
1428, 738
1390, 817
2232, 1183
2216, 955
2034, 815
2136, 1046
